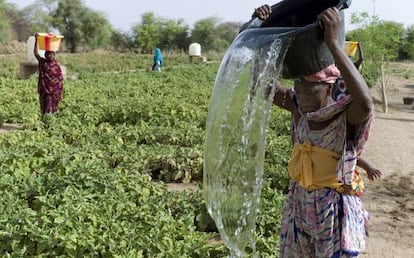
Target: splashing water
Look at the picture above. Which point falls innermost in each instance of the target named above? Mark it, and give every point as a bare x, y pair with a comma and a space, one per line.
236, 133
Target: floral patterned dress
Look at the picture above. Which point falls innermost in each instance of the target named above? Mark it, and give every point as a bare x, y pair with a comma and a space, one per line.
324, 222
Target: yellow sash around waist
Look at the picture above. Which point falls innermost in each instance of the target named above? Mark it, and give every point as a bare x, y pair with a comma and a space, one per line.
314, 167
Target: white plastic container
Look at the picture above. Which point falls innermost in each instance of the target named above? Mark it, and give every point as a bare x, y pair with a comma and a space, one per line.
194, 49
30, 46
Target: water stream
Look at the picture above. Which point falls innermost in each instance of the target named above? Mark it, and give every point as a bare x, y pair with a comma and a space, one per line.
236, 134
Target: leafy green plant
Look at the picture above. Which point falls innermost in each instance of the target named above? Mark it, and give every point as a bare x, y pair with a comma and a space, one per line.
91, 181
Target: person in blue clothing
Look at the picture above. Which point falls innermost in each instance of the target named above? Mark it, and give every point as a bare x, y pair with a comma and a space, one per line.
158, 60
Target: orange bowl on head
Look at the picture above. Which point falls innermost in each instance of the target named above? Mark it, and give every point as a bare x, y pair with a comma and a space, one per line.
49, 42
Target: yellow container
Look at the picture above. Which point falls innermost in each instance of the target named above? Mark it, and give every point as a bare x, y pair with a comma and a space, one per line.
351, 47
49, 42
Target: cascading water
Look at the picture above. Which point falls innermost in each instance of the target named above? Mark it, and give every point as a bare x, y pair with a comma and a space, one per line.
240, 106
236, 134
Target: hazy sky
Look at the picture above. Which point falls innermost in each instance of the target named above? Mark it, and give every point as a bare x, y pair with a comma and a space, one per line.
123, 14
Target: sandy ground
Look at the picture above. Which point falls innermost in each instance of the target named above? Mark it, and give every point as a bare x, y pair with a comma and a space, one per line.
390, 200
6, 127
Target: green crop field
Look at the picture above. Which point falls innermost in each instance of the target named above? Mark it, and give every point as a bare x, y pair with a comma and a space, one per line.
91, 180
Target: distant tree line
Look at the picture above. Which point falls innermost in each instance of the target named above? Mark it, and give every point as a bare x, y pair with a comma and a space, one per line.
86, 29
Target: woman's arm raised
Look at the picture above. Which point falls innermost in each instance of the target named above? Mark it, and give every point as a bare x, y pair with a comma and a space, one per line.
362, 104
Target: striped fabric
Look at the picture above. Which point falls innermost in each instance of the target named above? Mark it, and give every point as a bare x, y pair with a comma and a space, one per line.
323, 222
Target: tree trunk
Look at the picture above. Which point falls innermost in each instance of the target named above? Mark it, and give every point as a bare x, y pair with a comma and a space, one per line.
383, 90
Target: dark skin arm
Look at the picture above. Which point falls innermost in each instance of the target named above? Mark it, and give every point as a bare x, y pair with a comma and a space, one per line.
35, 49
263, 12
362, 105
282, 98
372, 172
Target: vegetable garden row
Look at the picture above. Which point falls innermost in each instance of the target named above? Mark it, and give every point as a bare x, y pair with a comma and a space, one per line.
91, 180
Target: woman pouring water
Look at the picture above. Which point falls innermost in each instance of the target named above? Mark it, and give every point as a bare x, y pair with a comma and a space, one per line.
322, 214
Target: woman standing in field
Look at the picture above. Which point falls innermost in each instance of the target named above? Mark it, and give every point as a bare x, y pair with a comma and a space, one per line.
50, 84
158, 60
322, 214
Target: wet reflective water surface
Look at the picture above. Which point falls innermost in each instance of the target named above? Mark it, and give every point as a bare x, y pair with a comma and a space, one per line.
236, 133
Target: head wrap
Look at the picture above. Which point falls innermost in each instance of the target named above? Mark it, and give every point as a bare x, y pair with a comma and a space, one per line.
327, 75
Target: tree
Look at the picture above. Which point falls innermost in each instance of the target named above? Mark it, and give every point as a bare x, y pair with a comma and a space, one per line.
4, 23
81, 26
147, 33
213, 35
407, 51
155, 32
31, 19
121, 41
38, 16
204, 33
226, 33
381, 41
67, 19
95, 28
173, 35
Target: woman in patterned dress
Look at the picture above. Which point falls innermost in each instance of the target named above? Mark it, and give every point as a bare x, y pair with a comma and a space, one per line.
322, 214
50, 83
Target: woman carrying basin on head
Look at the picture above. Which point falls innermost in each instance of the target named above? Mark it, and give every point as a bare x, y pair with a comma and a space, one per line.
50, 83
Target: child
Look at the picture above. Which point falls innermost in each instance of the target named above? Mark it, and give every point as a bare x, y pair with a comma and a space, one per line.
372, 173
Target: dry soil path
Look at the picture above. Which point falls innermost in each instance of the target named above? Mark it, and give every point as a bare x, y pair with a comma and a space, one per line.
390, 200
